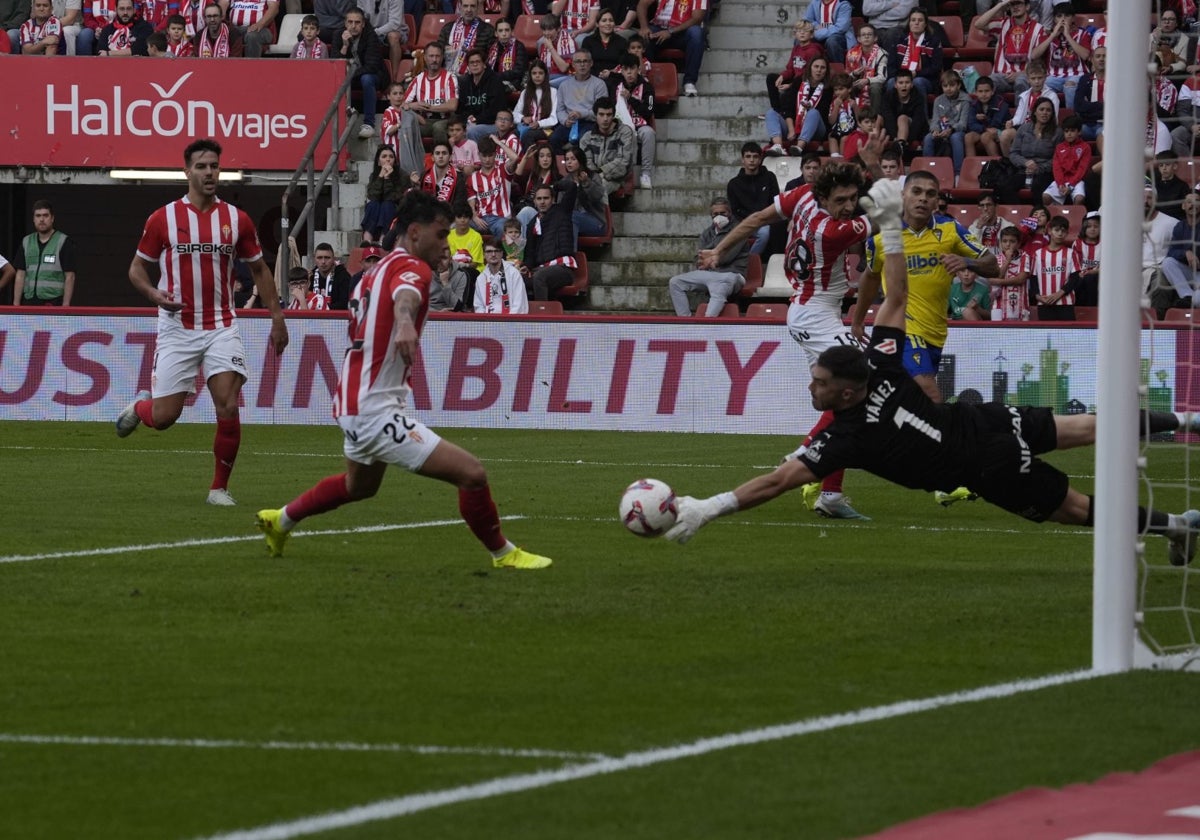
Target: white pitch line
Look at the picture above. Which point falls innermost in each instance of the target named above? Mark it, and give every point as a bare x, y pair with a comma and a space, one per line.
190, 543
386, 809
314, 746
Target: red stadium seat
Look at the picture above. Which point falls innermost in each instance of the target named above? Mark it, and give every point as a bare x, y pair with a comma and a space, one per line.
354, 261
604, 238
978, 46
968, 188
768, 311
1014, 212
545, 307
964, 214
431, 28
1074, 214
1175, 315
664, 77
953, 27
729, 310
1189, 170
528, 30
580, 285
941, 167
411, 43
754, 276
1098, 21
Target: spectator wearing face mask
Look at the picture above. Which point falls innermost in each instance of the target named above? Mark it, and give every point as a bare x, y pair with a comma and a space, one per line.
722, 283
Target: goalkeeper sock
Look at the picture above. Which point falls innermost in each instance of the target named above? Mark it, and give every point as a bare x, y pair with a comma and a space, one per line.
479, 512
225, 449
1157, 522
325, 495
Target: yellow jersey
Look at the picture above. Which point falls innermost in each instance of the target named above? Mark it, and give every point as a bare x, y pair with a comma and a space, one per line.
928, 280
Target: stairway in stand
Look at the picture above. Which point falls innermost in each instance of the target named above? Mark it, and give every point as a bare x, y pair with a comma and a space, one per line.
699, 150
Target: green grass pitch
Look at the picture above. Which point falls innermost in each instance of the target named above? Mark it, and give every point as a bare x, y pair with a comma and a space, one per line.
186, 631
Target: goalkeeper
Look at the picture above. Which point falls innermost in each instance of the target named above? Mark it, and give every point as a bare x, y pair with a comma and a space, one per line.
885, 424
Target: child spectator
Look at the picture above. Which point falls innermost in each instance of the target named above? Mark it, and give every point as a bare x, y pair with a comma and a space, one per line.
804, 51
969, 300
637, 46
555, 49
1072, 162
507, 57
463, 152
392, 115
1087, 260
904, 114
537, 107
302, 297
464, 240
804, 117
1169, 189
891, 164
867, 64
41, 34
309, 45
810, 167
868, 120
989, 116
1010, 291
1033, 228
450, 288
1066, 48
179, 45
387, 185
638, 95
513, 242
843, 117
1051, 266
951, 111
156, 45
488, 191
442, 180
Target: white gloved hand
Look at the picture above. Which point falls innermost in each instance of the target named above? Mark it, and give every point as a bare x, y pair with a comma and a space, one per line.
693, 514
884, 204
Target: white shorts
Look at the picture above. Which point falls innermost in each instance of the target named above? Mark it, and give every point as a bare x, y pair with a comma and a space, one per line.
1056, 192
816, 328
389, 437
180, 354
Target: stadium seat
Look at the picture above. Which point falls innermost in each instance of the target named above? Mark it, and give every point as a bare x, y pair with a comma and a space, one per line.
431, 28
604, 238
406, 66
1014, 212
545, 307
579, 287
768, 311
785, 168
492, 19
1074, 214
754, 276
627, 188
1087, 313
977, 47
968, 188
354, 261
1189, 170
953, 27
941, 167
1175, 315
411, 23
289, 31
1100, 21
729, 310
528, 30
964, 214
664, 77
775, 282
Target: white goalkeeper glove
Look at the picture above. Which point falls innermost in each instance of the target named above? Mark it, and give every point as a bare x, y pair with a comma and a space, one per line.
694, 514
884, 205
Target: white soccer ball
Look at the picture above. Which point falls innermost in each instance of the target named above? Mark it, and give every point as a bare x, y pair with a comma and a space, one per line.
648, 507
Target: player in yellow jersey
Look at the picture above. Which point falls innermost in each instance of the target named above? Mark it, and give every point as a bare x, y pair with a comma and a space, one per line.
935, 248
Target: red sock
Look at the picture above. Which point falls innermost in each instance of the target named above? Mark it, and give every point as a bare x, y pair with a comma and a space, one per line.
325, 495
825, 419
225, 449
833, 481
479, 512
145, 412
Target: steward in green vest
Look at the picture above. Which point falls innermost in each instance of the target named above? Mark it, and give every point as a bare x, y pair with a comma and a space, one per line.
45, 263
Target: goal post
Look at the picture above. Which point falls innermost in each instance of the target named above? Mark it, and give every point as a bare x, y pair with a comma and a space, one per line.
1115, 540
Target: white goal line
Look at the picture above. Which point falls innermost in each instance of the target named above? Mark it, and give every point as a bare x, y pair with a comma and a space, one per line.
387, 809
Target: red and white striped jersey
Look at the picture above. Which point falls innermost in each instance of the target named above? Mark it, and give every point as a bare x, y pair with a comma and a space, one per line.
513, 141
156, 12
817, 247
1062, 61
195, 251
575, 14
488, 193
1087, 254
32, 31
1015, 42
1013, 301
436, 90
183, 49
391, 117
374, 378
246, 12
672, 13
193, 16
1052, 269
564, 46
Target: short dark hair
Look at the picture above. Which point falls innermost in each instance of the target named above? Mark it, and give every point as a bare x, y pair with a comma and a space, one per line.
158, 40
355, 11
835, 175
177, 19
636, 38
476, 51
1072, 121
904, 72
310, 20
297, 275
985, 80
487, 146
1165, 156
461, 210
750, 146
1058, 222
630, 60
924, 173
456, 120
846, 363
420, 208
323, 246
203, 145
605, 102
809, 157
43, 204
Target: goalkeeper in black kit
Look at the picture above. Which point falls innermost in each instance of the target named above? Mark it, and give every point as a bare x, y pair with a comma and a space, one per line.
885, 424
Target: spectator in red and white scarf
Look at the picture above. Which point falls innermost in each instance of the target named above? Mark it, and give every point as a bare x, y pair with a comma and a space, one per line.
919, 51
507, 57
468, 32
309, 45
126, 35
217, 39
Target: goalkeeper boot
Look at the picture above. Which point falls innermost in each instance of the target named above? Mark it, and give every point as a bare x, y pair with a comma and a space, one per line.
1182, 547
810, 493
519, 558
837, 506
128, 420
268, 523
962, 494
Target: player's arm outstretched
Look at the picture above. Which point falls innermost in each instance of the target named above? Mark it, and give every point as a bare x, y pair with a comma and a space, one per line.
710, 259
883, 206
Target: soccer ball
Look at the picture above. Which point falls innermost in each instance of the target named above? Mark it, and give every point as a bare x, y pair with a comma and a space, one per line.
648, 507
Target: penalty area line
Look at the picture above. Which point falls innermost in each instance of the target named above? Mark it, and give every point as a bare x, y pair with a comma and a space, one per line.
386, 809
202, 541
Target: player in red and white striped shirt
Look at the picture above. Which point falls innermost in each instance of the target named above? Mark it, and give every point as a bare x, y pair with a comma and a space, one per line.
387, 311
195, 241
822, 232
1052, 266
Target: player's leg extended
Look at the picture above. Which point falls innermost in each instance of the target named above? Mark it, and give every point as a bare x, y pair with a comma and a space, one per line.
1080, 429
359, 481
457, 466
224, 388
1181, 530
